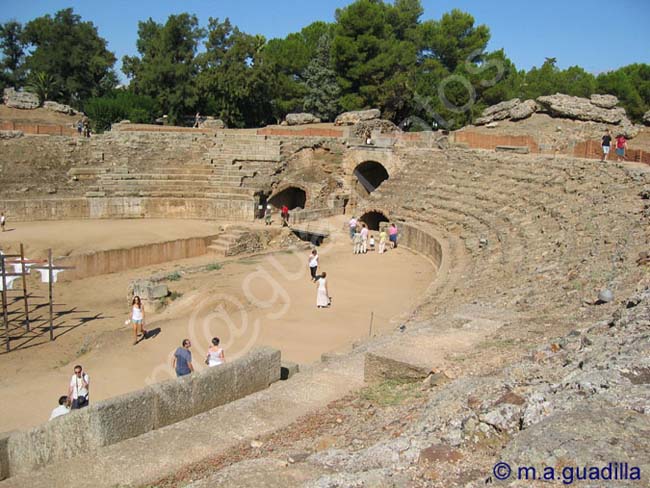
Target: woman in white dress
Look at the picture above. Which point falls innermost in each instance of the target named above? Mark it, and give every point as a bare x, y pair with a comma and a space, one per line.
215, 354
322, 296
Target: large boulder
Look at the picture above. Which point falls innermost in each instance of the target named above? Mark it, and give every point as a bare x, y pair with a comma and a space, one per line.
20, 99
604, 101
380, 125
500, 111
560, 105
59, 107
212, 123
523, 110
301, 119
352, 118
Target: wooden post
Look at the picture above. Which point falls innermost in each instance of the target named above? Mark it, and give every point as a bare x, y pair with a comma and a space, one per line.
49, 272
22, 267
372, 316
5, 317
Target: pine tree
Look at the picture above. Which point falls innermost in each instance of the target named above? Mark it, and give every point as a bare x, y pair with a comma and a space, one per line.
320, 80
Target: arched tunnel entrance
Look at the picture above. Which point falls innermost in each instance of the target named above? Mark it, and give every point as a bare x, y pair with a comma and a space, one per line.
292, 197
370, 175
373, 219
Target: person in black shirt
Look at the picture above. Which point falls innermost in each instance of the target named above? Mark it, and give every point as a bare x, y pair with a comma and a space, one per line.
607, 142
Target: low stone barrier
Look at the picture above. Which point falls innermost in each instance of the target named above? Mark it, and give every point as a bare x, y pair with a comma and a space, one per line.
115, 260
127, 207
420, 241
314, 214
133, 414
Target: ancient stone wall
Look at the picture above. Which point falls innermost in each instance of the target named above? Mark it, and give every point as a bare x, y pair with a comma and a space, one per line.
136, 413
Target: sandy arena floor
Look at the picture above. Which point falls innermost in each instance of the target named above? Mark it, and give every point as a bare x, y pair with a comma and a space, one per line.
261, 300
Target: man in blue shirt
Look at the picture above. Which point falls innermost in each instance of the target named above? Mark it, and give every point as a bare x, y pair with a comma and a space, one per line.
182, 362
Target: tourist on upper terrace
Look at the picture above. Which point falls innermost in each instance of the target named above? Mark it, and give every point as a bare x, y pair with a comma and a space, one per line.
322, 295
182, 362
392, 235
382, 241
215, 355
62, 409
78, 390
197, 120
606, 144
364, 238
313, 264
80, 126
137, 319
285, 215
353, 226
621, 146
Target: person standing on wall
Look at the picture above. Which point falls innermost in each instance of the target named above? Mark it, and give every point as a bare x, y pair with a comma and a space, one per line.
182, 362
313, 264
606, 144
392, 236
621, 146
78, 391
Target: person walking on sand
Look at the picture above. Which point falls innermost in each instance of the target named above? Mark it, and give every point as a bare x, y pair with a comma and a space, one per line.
364, 238
182, 362
392, 236
606, 144
3, 221
382, 241
371, 242
78, 388
621, 146
313, 264
137, 319
215, 354
353, 227
322, 295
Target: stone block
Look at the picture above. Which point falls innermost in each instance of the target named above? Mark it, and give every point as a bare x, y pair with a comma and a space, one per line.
380, 368
174, 400
4, 455
59, 439
20, 99
214, 387
123, 417
158, 291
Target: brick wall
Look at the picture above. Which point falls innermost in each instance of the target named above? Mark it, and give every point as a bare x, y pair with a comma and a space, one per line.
38, 129
477, 140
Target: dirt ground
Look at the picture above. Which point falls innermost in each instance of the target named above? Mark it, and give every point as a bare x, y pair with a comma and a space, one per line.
260, 300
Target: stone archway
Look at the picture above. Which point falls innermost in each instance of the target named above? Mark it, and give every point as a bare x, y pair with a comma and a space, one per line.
370, 175
373, 219
291, 196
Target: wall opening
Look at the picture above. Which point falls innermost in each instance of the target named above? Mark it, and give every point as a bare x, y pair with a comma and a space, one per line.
373, 219
370, 175
292, 197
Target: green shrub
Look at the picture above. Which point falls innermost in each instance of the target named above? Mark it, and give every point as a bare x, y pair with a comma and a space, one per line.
175, 276
119, 105
213, 267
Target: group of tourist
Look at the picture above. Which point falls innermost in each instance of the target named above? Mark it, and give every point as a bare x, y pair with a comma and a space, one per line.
363, 241
83, 127
621, 146
323, 299
182, 360
78, 393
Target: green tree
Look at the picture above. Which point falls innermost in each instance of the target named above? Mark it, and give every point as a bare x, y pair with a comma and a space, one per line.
13, 51
631, 84
234, 81
44, 85
374, 54
322, 88
166, 68
72, 53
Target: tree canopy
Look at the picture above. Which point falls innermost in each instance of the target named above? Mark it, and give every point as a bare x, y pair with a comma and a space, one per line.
376, 54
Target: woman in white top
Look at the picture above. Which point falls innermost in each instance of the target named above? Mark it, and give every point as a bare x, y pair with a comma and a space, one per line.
313, 264
215, 354
322, 296
137, 319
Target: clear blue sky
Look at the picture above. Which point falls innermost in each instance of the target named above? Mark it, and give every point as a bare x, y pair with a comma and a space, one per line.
598, 35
